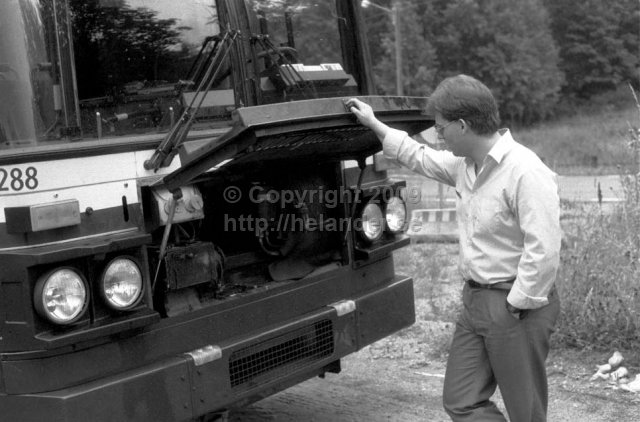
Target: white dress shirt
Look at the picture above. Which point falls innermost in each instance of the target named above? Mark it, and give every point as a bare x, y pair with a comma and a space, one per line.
508, 215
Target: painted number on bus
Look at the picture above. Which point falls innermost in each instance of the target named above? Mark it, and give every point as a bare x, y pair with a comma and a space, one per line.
16, 179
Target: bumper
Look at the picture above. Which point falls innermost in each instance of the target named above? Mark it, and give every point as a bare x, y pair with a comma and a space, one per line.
198, 382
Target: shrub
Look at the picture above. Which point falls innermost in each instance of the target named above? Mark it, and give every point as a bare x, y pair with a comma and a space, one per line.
599, 278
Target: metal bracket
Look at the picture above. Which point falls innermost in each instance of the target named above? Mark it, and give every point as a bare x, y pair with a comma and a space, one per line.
344, 307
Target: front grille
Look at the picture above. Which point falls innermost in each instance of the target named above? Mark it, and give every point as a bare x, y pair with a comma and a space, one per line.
295, 140
278, 356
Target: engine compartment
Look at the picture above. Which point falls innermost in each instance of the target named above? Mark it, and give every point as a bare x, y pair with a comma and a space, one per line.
231, 234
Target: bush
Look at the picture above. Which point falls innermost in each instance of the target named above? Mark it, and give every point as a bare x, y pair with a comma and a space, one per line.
599, 278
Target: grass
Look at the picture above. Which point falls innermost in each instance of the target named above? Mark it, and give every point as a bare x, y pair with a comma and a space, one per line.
598, 282
437, 288
600, 272
434, 271
590, 140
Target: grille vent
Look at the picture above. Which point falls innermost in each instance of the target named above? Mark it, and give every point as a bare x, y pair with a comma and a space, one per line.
281, 355
299, 139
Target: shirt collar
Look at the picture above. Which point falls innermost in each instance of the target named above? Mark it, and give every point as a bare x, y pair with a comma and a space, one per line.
502, 146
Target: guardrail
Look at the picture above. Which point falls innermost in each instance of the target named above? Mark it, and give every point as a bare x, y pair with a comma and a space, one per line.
433, 225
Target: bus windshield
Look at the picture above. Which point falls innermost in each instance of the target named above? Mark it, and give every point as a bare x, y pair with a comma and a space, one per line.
27, 85
306, 36
134, 65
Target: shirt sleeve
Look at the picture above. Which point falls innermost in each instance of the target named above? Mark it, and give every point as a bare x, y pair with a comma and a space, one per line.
438, 165
538, 210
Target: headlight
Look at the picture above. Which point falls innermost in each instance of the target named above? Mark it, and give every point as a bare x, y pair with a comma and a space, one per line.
61, 296
372, 222
122, 284
396, 214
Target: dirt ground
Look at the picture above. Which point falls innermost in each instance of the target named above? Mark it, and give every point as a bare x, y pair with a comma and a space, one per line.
400, 378
387, 382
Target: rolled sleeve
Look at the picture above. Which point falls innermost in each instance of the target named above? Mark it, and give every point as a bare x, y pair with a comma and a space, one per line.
538, 208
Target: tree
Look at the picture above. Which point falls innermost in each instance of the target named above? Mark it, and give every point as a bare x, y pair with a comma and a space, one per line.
599, 43
116, 45
506, 44
418, 55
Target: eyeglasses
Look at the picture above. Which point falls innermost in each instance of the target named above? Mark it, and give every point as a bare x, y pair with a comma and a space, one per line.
440, 128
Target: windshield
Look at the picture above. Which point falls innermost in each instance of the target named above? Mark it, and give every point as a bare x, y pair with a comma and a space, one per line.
27, 109
306, 35
90, 69
131, 58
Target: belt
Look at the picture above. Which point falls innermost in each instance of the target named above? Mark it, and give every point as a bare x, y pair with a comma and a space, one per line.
501, 285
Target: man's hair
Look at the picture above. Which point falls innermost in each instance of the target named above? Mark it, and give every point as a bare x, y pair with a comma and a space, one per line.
464, 97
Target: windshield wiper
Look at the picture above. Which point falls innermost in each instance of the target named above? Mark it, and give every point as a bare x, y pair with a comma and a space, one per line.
291, 77
163, 155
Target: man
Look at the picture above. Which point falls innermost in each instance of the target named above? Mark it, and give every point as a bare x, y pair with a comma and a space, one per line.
508, 217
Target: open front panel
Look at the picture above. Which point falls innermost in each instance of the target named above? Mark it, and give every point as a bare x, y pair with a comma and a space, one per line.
321, 129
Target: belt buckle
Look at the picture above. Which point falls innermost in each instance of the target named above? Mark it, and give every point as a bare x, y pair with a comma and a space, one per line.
474, 284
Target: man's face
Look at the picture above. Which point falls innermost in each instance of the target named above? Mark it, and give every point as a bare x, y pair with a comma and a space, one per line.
450, 131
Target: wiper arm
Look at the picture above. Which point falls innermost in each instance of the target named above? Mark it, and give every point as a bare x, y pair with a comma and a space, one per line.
292, 77
166, 150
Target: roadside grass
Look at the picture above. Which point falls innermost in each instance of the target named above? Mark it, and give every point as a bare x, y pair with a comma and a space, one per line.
434, 271
598, 282
437, 297
599, 277
587, 142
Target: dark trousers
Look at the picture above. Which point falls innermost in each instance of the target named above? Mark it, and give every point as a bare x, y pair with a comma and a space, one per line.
490, 347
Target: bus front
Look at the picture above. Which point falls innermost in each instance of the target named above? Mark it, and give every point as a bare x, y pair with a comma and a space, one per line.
191, 219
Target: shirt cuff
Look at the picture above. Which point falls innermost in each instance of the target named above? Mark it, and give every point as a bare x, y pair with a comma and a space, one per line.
392, 142
521, 300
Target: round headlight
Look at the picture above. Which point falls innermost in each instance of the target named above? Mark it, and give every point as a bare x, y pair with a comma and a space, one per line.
372, 222
396, 214
61, 296
122, 284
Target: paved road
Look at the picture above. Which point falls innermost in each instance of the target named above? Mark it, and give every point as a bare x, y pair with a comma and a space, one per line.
585, 188
572, 188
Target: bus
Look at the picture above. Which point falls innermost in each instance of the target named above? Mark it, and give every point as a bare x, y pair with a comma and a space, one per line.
191, 218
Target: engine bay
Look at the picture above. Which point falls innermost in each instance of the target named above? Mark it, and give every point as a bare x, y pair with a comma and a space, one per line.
228, 236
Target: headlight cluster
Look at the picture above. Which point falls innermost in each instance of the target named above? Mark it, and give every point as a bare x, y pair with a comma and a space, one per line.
375, 219
62, 295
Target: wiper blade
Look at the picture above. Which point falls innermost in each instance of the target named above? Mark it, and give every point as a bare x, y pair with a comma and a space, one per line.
166, 150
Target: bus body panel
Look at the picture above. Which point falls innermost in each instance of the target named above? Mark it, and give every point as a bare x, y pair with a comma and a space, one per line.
176, 388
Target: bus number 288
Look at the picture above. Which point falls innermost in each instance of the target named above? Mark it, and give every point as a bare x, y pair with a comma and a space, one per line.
16, 179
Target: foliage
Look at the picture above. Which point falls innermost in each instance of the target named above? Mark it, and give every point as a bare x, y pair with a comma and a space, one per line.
506, 44
317, 35
598, 279
598, 282
419, 62
528, 52
121, 44
599, 43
